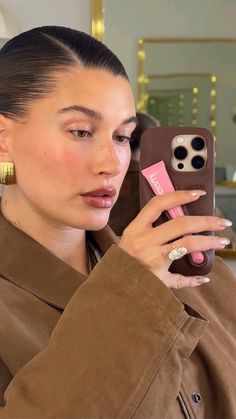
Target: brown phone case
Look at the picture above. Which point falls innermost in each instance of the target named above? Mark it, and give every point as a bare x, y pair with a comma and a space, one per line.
156, 146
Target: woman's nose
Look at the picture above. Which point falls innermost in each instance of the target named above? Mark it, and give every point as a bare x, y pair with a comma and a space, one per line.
107, 159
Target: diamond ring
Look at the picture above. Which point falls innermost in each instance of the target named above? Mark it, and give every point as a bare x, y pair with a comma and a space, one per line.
177, 252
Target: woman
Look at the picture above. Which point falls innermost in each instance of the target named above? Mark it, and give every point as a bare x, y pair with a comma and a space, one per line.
115, 339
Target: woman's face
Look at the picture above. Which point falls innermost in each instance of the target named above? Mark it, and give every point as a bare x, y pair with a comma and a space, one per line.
74, 142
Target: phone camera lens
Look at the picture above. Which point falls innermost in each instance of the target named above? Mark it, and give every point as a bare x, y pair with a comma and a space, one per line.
198, 162
198, 143
180, 165
180, 153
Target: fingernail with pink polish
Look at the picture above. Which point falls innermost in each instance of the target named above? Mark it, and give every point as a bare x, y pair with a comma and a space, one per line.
224, 222
203, 280
197, 193
224, 242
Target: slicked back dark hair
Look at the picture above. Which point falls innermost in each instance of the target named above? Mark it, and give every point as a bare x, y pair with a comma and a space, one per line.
29, 60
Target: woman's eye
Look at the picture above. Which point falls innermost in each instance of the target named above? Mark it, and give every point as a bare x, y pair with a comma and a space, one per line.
80, 133
122, 138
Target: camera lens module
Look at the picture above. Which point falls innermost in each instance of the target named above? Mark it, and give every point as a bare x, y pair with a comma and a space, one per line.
180, 153
198, 143
198, 162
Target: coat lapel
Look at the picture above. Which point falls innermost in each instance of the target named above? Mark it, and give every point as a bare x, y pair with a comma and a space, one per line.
29, 265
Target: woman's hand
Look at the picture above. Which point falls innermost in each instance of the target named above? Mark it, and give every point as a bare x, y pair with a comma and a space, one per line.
150, 245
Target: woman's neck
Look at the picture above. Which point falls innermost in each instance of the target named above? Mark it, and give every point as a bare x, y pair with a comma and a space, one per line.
65, 242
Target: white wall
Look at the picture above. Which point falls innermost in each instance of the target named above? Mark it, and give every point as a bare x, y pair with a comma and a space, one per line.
30, 13
127, 21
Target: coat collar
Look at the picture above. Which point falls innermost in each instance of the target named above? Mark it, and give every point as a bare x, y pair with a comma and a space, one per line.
29, 265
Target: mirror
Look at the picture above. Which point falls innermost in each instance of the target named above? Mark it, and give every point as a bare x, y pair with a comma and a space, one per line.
200, 92
178, 99
189, 81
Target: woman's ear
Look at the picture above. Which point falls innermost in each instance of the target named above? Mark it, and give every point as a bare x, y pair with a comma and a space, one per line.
5, 139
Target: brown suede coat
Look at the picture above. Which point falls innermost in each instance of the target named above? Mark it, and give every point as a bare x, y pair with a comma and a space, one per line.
124, 347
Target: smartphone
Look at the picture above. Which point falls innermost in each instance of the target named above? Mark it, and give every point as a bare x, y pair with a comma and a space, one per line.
188, 155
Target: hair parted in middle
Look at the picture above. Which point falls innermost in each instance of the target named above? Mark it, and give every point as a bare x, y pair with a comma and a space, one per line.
28, 61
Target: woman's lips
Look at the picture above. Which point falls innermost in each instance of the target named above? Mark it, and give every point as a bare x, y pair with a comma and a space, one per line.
98, 201
100, 198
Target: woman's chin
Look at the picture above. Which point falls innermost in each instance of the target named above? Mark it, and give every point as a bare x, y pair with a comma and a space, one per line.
98, 223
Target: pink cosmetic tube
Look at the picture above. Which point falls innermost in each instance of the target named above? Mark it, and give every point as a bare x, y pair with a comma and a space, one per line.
161, 184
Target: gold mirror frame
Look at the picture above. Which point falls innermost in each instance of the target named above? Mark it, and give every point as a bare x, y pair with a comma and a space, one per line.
98, 20
227, 254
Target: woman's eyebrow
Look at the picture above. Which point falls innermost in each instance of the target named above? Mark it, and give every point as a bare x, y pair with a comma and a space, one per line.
78, 108
92, 113
133, 119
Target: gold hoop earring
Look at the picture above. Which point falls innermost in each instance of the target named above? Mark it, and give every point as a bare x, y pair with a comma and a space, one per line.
7, 173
